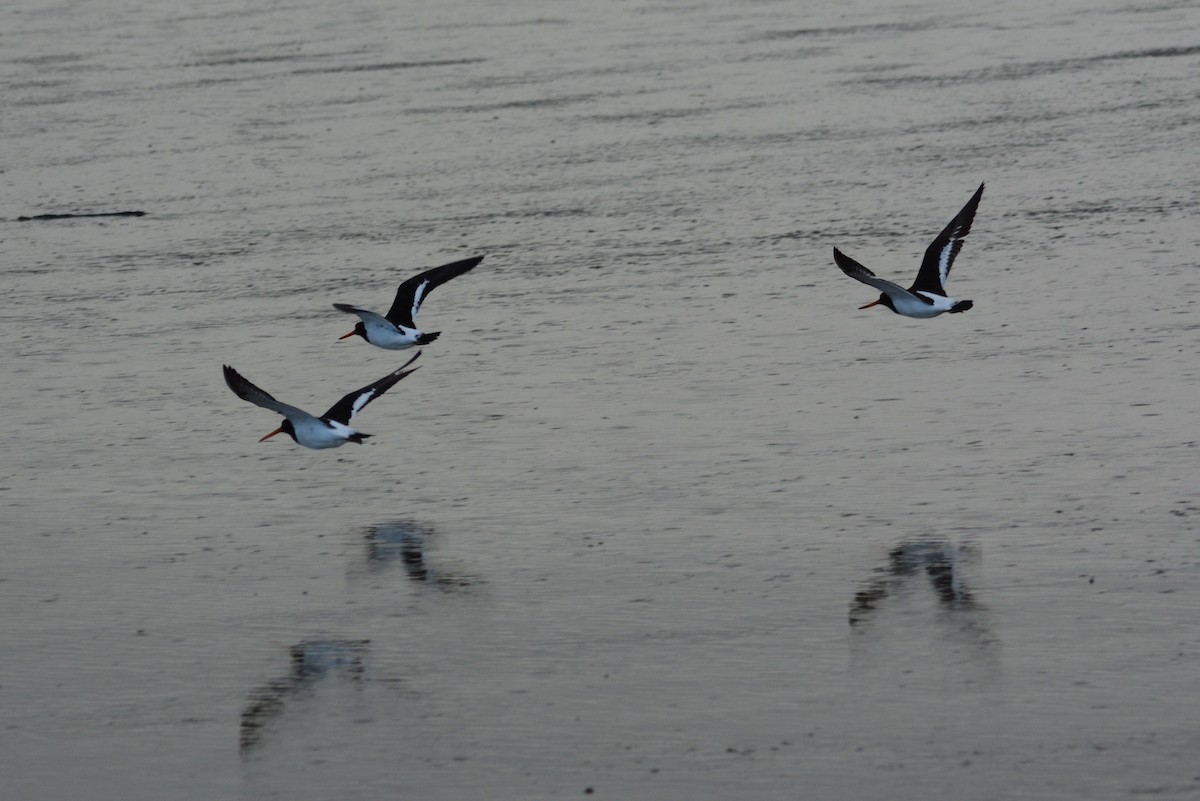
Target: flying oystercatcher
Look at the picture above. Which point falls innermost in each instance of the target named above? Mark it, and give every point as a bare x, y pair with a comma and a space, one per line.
397, 329
927, 296
331, 429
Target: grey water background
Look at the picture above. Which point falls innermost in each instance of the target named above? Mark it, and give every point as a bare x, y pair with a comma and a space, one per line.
662, 516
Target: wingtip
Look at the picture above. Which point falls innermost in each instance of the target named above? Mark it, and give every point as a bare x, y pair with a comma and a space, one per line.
404, 369
463, 265
415, 356
233, 379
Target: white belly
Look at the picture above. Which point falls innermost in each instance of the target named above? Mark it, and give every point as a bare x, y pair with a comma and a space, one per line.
316, 434
912, 307
391, 337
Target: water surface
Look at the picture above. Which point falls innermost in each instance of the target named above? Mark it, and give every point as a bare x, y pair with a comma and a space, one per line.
662, 515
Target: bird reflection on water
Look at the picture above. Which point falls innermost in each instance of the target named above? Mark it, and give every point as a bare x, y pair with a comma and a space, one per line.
311, 660
942, 563
405, 543
918, 619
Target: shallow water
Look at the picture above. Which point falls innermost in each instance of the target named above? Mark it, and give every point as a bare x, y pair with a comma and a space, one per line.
662, 515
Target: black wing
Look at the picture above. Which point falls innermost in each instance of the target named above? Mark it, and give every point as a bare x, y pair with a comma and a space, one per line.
248, 392
939, 256
414, 290
344, 410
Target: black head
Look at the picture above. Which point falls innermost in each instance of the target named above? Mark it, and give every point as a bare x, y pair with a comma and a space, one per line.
884, 300
359, 329
286, 428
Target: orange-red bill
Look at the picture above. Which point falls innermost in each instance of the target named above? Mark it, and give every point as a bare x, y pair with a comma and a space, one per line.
869, 305
273, 433
352, 333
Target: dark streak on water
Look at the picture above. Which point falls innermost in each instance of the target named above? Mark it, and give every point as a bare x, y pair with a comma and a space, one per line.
1032, 69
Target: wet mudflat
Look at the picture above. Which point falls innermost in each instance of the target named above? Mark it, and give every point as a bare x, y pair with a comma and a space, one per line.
662, 515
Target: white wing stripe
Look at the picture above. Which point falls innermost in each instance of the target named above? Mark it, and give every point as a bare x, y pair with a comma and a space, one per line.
944, 261
361, 401
418, 296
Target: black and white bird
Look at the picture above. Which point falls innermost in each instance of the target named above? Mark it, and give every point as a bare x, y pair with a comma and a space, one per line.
397, 329
927, 296
331, 429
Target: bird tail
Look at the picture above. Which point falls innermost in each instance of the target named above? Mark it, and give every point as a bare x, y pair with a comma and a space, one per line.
426, 338
358, 438
962, 306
